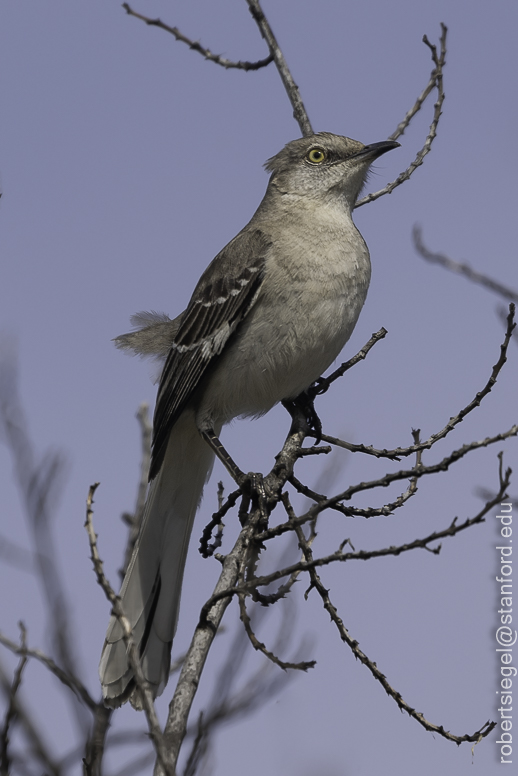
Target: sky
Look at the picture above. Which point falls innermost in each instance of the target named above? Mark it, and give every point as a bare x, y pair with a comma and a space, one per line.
127, 162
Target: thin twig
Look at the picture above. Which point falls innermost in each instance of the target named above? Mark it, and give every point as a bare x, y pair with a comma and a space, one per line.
419, 471
142, 685
384, 511
323, 384
96, 743
206, 549
403, 452
68, 680
317, 585
195, 46
258, 645
11, 712
267, 599
342, 557
461, 268
389, 478
299, 112
39, 482
36, 742
439, 61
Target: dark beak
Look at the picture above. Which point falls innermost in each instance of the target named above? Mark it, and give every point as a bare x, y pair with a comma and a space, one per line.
377, 149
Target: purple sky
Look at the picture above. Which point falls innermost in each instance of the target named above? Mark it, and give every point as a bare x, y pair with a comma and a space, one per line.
126, 163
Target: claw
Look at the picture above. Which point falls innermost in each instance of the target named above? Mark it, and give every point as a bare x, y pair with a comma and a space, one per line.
304, 403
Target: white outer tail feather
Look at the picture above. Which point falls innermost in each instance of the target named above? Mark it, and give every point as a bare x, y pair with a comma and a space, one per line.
152, 586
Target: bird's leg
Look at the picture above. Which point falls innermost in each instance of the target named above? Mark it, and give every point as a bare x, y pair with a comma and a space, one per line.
226, 459
251, 484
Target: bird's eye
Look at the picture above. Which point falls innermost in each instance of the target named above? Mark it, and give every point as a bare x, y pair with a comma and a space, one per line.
316, 156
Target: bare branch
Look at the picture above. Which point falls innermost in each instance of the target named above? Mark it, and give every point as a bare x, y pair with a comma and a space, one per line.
348, 511
39, 483
439, 61
11, 712
404, 474
195, 46
204, 634
323, 384
341, 557
68, 680
271, 598
96, 743
36, 742
316, 584
461, 268
226, 703
402, 452
418, 471
142, 686
292, 90
233, 565
258, 645
385, 510
205, 549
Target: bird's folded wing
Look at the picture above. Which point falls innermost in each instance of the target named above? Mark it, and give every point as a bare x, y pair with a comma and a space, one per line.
226, 292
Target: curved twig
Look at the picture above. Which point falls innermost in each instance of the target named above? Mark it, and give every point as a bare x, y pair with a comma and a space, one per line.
403, 452
195, 46
394, 550
461, 268
436, 77
69, 681
245, 619
317, 585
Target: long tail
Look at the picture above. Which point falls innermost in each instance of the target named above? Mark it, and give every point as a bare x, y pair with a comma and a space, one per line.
153, 583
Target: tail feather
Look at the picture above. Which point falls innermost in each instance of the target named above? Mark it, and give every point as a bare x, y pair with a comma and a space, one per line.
152, 586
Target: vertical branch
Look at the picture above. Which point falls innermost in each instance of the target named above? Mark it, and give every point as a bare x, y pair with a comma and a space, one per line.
267, 494
292, 90
11, 713
38, 482
145, 697
201, 643
102, 717
36, 742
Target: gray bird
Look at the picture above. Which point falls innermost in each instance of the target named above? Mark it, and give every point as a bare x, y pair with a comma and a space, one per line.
269, 315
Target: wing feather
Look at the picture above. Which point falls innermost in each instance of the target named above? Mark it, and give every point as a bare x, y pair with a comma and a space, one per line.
224, 295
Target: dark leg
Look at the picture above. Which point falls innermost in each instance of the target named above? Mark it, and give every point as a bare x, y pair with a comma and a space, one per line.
251, 484
228, 462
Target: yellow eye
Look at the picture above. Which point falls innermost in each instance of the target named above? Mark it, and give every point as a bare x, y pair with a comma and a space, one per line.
316, 156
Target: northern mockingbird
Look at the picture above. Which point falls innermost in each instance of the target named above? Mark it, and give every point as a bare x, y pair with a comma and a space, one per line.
269, 315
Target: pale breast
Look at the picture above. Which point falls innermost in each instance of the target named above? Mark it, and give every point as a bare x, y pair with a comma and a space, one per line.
313, 293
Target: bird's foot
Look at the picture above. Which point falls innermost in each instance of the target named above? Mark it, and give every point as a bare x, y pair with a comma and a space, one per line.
304, 403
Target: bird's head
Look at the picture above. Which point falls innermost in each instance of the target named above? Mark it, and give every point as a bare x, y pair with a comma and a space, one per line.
324, 165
